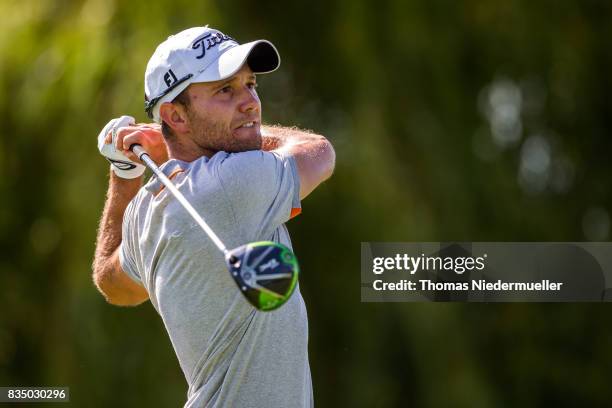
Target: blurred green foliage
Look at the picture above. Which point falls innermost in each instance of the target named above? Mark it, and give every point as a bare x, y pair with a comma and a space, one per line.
473, 121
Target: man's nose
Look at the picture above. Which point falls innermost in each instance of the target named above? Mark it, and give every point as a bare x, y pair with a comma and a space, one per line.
249, 101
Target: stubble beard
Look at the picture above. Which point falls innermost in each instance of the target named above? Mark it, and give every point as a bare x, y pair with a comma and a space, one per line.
217, 136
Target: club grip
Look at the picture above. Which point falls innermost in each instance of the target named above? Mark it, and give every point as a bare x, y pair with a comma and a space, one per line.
138, 150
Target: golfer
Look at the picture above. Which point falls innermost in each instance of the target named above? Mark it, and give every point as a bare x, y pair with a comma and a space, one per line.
246, 180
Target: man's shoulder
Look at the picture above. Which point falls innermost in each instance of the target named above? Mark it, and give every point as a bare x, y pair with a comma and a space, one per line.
249, 155
223, 159
245, 163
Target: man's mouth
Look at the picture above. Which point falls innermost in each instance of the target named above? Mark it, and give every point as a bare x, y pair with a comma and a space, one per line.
247, 125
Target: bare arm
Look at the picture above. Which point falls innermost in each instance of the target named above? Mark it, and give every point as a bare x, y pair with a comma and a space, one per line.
118, 288
314, 154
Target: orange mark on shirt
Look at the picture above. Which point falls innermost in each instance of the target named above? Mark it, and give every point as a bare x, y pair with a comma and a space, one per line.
295, 212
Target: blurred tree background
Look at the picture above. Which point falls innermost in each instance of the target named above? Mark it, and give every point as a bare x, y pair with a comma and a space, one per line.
467, 121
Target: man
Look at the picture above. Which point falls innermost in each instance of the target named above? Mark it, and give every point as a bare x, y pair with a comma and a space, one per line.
246, 180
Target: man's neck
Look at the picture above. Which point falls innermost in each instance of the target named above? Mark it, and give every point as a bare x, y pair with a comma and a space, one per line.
185, 149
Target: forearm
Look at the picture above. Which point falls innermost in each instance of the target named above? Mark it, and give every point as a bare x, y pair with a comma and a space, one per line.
107, 274
120, 193
114, 141
275, 137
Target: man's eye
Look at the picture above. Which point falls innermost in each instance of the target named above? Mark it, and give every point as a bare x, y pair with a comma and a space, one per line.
253, 85
225, 89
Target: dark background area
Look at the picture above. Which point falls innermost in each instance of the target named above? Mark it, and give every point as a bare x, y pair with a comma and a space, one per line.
452, 121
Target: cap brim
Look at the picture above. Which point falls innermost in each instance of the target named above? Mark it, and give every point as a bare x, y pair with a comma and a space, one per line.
261, 56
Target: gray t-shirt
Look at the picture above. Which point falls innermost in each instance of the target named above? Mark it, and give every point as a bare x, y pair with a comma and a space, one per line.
231, 354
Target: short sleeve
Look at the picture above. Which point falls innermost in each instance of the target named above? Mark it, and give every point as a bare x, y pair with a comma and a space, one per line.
262, 187
129, 242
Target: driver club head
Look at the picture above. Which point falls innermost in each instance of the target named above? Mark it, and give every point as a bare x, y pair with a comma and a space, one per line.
266, 273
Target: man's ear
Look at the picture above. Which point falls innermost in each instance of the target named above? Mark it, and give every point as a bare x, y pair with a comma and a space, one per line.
175, 117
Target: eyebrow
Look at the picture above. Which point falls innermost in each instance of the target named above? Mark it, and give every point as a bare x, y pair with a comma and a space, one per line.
232, 78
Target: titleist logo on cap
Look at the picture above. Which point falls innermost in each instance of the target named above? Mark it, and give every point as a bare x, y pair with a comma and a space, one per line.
211, 40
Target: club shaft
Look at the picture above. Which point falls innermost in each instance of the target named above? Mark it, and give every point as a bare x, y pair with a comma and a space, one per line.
146, 159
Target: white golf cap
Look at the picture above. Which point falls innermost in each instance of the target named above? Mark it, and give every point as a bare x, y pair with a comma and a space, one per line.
200, 54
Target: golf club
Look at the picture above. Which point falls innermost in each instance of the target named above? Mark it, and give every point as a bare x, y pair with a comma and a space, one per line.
266, 272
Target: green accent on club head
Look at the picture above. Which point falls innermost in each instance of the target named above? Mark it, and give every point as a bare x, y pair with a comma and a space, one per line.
268, 302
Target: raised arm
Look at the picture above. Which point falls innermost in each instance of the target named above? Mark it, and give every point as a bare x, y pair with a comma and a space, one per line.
314, 154
125, 181
110, 279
